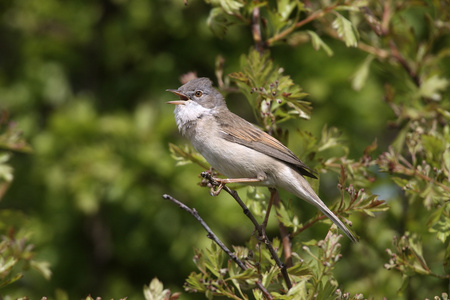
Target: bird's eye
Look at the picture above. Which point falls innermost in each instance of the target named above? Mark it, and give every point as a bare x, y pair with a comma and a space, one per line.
198, 93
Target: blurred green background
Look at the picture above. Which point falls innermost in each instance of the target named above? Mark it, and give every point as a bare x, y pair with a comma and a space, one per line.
85, 82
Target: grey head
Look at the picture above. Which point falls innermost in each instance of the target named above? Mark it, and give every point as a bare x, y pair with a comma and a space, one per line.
201, 91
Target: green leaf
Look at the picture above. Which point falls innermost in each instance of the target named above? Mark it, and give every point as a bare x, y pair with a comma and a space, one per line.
405, 282
346, 31
155, 291
299, 291
8, 264
286, 7
6, 171
300, 270
434, 147
283, 215
439, 222
245, 275
229, 6
43, 267
318, 43
256, 200
327, 291
187, 155
432, 87
273, 96
10, 280
195, 282
360, 77
219, 21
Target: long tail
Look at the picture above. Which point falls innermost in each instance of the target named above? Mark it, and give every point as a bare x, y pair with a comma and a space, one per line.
298, 186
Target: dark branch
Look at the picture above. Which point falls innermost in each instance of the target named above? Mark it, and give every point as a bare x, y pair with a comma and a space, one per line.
259, 228
213, 237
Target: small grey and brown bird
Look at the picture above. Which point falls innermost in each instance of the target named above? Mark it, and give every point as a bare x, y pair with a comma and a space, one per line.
238, 149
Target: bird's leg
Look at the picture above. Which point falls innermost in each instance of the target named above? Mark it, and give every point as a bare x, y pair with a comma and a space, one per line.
223, 181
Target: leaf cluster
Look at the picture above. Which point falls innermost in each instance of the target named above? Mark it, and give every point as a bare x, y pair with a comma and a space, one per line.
311, 274
416, 160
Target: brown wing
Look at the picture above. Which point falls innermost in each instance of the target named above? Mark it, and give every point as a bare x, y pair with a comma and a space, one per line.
240, 131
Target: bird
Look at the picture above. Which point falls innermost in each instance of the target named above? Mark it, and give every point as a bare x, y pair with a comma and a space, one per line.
239, 149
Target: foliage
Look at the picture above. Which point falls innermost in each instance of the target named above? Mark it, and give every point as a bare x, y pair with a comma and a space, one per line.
155, 291
85, 81
310, 274
274, 96
418, 160
16, 251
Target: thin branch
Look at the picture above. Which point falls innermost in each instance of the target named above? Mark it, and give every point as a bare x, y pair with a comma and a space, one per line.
285, 236
213, 237
308, 225
378, 52
259, 228
395, 53
310, 18
256, 31
269, 209
373, 22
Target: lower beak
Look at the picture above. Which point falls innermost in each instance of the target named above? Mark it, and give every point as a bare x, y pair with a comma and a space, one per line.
183, 97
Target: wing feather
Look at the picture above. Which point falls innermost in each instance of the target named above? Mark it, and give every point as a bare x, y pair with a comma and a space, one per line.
240, 131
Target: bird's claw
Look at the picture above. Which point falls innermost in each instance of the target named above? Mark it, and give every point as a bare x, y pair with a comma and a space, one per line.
215, 190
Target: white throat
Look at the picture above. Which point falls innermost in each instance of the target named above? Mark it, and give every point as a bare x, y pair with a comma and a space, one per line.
186, 115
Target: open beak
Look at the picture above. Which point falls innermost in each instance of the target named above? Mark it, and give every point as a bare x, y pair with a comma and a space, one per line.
183, 97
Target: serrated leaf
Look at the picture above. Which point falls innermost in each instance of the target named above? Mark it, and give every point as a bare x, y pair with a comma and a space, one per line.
273, 96
345, 30
195, 282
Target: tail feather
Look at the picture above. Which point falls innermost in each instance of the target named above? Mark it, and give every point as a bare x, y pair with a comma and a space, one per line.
298, 186
327, 212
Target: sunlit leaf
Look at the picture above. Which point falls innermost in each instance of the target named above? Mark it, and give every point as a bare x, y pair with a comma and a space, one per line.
345, 30
433, 86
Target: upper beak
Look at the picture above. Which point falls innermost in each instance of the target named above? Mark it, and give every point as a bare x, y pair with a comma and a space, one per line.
183, 97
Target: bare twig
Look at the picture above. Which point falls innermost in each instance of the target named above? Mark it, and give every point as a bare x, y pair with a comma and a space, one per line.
259, 228
316, 219
256, 31
315, 15
395, 53
213, 237
285, 236
268, 210
373, 22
